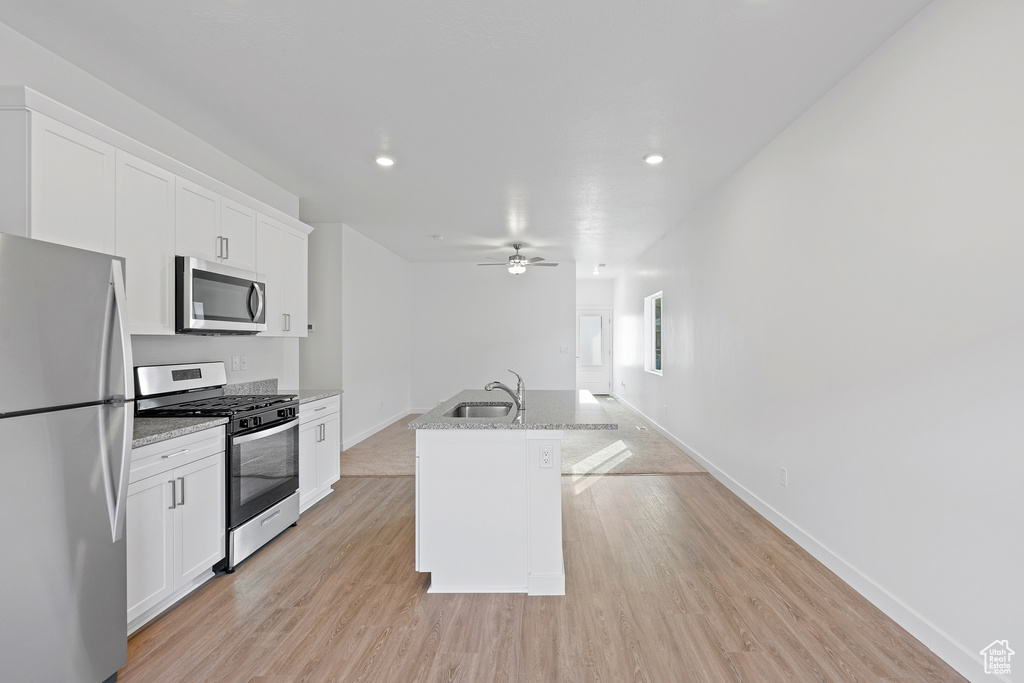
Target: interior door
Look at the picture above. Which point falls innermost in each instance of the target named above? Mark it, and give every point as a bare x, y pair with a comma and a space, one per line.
593, 350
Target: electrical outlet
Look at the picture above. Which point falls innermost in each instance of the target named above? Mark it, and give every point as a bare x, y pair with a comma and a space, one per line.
783, 477
546, 456
245, 362
236, 363
565, 350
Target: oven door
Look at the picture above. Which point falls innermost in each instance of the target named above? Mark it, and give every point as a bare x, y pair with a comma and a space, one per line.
216, 299
263, 469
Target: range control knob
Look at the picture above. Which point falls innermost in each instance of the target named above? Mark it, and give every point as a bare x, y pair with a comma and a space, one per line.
257, 421
244, 423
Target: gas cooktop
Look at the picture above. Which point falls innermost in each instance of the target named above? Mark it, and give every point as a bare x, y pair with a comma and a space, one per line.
219, 406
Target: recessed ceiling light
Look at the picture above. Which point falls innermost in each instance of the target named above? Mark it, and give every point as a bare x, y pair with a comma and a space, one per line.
654, 158
385, 160
438, 237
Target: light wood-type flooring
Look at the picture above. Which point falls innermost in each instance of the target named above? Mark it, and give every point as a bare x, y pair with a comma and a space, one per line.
669, 578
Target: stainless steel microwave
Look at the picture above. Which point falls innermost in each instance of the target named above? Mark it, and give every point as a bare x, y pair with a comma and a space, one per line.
215, 299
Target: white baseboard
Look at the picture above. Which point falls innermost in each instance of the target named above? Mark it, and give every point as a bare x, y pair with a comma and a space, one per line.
953, 653
349, 443
545, 584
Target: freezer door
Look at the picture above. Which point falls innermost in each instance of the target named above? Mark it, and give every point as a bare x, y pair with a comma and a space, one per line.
64, 596
63, 338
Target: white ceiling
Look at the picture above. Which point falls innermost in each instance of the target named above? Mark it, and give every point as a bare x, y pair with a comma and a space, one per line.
520, 121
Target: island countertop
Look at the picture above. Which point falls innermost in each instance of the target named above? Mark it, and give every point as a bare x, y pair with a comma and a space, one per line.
545, 409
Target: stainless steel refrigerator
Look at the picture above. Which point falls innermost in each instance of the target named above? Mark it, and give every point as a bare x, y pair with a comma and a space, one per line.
66, 410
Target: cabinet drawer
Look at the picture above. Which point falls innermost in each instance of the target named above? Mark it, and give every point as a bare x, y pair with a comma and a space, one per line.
162, 456
314, 410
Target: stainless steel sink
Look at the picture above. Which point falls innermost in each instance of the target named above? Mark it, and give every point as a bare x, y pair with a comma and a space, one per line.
490, 410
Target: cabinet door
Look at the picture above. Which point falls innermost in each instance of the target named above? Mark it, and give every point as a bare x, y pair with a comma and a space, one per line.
149, 529
238, 229
145, 237
196, 220
270, 262
308, 478
199, 533
328, 452
296, 288
72, 187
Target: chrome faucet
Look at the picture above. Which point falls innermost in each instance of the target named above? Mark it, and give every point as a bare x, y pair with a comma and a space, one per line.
519, 395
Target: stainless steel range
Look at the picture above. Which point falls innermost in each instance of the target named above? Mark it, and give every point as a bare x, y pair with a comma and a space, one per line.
262, 458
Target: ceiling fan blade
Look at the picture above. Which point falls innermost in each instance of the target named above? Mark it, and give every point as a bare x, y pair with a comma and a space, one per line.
535, 259
492, 264
542, 264
495, 258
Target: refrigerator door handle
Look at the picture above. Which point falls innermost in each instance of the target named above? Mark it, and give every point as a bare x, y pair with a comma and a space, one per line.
121, 309
117, 497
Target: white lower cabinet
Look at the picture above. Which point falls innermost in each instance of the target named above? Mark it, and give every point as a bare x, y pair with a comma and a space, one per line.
175, 525
319, 449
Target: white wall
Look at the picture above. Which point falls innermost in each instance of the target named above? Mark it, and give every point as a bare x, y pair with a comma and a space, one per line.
23, 62
595, 292
849, 306
321, 366
471, 324
376, 332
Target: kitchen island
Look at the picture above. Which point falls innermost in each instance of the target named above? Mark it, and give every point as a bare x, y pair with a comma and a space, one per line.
488, 491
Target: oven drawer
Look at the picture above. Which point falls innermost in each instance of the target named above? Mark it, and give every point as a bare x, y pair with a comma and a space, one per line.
155, 458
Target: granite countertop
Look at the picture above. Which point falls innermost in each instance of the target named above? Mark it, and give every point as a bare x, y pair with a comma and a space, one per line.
147, 430
545, 409
307, 395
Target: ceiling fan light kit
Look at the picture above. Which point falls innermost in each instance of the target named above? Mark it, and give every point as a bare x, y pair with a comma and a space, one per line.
517, 262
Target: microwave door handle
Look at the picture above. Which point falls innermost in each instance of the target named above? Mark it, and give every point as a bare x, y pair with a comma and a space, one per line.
259, 301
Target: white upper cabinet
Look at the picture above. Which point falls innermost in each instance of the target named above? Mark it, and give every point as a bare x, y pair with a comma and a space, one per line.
282, 259
196, 221
214, 228
56, 182
145, 238
238, 230
68, 179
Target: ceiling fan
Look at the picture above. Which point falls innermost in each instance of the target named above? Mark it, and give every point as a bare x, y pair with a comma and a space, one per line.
517, 262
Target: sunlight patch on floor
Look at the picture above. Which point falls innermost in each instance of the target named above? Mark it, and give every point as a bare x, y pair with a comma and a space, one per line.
601, 462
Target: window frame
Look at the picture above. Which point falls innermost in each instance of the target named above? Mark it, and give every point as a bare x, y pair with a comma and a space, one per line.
654, 347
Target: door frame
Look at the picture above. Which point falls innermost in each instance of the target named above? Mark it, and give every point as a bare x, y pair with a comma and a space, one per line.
607, 339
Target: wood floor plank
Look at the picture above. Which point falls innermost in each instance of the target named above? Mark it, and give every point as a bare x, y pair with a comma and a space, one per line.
668, 578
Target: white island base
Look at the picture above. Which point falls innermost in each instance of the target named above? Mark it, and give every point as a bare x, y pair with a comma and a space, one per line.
489, 510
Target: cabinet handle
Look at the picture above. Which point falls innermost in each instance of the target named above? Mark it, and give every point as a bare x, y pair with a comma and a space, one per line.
289, 316
220, 247
181, 491
183, 451
320, 433
227, 248
320, 408
174, 495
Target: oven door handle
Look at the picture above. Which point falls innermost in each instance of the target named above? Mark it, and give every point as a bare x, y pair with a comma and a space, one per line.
259, 434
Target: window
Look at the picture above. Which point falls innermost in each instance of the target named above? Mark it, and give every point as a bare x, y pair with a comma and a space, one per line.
652, 333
